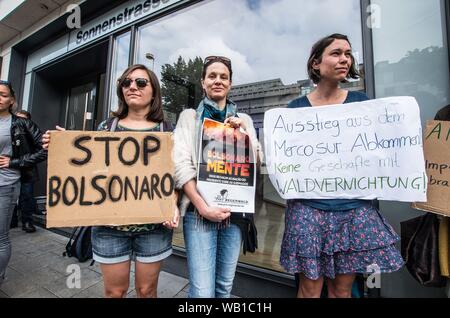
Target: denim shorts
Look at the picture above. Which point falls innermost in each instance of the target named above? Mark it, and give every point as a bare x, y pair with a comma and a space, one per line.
112, 246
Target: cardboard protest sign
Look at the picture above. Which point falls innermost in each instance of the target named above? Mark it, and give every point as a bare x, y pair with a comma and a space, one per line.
437, 162
104, 178
226, 167
365, 150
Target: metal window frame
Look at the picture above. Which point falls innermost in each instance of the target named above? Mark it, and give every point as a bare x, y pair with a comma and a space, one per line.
107, 98
131, 57
111, 51
367, 40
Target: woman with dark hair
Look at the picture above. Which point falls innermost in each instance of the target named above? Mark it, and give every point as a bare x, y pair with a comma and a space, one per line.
17, 137
334, 239
140, 109
148, 85
213, 236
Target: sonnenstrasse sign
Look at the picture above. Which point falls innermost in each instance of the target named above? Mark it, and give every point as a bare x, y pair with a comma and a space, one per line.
125, 14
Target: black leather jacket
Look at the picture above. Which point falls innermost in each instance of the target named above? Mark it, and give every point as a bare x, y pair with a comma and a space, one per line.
27, 148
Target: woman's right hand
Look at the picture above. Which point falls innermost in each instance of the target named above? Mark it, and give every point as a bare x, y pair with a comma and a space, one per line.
215, 214
46, 137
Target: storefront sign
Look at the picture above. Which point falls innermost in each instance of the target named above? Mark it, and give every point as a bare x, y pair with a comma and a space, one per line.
125, 14
364, 150
226, 168
104, 178
437, 155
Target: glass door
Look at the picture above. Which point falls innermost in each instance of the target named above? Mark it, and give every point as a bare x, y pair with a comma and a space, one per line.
81, 107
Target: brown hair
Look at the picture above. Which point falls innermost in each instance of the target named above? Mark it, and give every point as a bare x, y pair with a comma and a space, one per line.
217, 60
316, 56
155, 113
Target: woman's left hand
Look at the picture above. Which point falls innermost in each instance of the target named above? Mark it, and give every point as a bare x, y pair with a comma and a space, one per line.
176, 219
4, 161
235, 122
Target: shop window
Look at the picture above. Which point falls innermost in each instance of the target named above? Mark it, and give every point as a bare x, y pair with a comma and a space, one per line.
268, 43
411, 58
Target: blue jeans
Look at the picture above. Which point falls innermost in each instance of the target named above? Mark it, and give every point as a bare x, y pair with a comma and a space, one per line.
27, 203
112, 246
212, 255
8, 199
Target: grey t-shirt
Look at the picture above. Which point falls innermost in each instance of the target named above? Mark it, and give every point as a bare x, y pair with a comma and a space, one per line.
8, 176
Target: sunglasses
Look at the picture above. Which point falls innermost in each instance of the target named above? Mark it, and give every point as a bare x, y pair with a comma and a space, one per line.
222, 59
140, 82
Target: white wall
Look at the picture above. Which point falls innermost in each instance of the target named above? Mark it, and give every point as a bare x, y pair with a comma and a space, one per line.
7, 6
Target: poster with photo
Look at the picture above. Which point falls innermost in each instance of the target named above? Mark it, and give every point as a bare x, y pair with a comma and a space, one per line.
226, 171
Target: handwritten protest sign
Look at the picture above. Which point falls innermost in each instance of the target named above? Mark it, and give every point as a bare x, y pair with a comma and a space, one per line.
104, 178
226, 168
437, 163
364, 150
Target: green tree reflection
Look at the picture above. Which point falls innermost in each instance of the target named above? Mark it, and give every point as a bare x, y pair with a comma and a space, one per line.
181, 86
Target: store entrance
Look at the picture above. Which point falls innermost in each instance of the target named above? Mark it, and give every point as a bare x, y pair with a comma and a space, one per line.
69, 93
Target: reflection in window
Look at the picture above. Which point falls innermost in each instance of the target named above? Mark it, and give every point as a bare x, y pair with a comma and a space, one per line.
268, 42
417, 67
121, 55
411, 59
181, 86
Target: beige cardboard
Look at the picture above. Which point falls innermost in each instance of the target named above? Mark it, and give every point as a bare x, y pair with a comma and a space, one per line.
147, 208
437, 160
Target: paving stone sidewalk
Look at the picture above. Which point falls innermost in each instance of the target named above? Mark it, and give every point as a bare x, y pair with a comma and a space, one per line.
38, 269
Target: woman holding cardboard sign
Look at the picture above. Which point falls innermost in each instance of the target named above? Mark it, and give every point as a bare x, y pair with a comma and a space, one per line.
334, 239
20, 149
213, 236
140, 109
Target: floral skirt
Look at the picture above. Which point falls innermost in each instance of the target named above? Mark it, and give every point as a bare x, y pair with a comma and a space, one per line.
320, 243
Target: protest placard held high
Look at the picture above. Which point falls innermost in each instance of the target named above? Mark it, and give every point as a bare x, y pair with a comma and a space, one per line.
365, 150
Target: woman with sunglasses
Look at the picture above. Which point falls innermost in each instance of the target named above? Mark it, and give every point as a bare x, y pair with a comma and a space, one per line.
20, 148
213, 235
334, 239
140, 109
